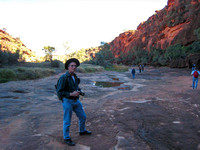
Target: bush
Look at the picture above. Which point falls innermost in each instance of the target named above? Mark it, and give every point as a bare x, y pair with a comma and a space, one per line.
193, 48
141, 56
33, 73
24, 73
197, 33
7, 75
88, 68
56, 63
104, 57
8, 57
156, 57
120, 68
126, 58
175, 51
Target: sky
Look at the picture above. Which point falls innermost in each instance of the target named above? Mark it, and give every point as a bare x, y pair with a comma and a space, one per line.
80, 23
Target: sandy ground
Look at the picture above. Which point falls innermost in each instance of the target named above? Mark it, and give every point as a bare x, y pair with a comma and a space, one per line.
157, 110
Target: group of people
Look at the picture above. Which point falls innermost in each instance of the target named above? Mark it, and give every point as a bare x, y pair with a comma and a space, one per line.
133, 71
68, 92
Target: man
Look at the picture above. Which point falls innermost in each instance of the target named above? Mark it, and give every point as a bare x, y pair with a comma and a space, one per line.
193, 67
140, 68
133, 73
195, 74
68, 92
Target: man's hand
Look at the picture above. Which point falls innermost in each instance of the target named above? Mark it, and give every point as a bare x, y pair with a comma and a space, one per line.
75, 94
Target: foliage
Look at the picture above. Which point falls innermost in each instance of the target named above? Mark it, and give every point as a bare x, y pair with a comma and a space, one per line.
56, 63
88, 68
48, 51
141, 56
66, 46
33, 73
134, 56
197, 33
126, 58
158, 57
104, 57
175, 51
8, 57
81, 55
193, 48
24, 73
119, 68
7, 75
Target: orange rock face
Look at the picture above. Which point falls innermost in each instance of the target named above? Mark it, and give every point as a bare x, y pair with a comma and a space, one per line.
175, 23
10, 44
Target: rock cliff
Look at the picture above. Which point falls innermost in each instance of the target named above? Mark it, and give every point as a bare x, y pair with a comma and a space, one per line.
10, 44
177, 22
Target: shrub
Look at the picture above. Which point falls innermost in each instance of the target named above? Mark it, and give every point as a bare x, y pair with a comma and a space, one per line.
56, 63
175, 52
197, 33
7, 75
156, 57
141, 56
8, 57
24, 73
193, 48
88, 68
120, 68
104, 57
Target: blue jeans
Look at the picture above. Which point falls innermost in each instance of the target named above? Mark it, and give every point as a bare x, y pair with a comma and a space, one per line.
133, 76
69, 106
194, 83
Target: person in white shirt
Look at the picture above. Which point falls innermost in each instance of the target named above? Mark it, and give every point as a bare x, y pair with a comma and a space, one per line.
195, 74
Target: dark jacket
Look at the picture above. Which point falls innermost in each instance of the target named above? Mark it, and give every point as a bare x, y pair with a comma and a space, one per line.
133, 71
66, 85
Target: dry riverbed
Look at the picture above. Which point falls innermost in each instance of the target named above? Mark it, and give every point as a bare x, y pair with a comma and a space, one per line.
157, 110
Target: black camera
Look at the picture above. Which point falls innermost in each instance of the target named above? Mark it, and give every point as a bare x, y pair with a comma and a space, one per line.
81, 93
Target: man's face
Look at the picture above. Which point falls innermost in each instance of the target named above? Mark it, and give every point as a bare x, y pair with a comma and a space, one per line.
72, 67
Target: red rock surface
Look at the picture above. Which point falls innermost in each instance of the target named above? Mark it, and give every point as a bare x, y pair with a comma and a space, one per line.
11, 44
175, 23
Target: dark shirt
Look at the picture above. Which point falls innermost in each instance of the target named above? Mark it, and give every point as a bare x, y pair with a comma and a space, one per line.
66, 85
133, 71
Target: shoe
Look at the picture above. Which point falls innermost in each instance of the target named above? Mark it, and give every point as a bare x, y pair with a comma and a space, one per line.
69, 142
85, 133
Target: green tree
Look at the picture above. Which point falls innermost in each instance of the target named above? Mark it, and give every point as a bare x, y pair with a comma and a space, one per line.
174, 52
48, 51
105, 56
66, 46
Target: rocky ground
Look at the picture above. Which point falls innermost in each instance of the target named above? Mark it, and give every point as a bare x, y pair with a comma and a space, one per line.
157, 110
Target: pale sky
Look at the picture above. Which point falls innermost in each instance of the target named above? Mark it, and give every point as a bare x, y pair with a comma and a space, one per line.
81, 23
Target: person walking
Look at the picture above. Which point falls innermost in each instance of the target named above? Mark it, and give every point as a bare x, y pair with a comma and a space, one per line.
140, 68
193, 67
195, 74
133, 73
68, 91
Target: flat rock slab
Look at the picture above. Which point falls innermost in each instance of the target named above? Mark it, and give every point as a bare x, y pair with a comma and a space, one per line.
156, 110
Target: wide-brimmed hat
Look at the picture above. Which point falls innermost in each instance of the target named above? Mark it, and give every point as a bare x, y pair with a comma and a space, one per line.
72, 60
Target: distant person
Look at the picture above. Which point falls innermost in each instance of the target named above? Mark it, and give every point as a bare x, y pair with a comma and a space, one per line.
193, 67
68, 91
195, 75
140, 68
133, 73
